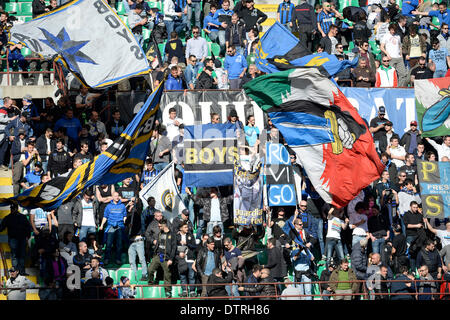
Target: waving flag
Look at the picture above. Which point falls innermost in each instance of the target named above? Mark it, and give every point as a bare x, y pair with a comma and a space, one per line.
164, 189
123, 159
279, 50
332, 142
433, 106
88, 38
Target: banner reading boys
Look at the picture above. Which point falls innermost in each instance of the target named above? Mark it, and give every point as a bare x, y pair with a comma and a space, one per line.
434, 179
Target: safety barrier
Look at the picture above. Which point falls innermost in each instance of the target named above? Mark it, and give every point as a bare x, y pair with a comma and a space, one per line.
56, 69
278, 296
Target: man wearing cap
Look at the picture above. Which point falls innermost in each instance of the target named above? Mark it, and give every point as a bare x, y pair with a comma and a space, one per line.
33, 177
386, 136
19, 230
15, 282
377, 126
31, 109
184, 217
411, 138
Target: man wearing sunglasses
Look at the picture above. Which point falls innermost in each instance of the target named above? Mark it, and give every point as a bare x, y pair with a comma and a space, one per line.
197, 46
325, 18
421, 71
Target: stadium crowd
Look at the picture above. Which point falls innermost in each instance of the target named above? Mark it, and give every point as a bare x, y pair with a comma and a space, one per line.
395, 44
381, 235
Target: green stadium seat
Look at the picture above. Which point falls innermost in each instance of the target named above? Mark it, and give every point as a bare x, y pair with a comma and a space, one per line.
26, 9
351, 45
11, 7
123, 272
28, 19
113, 274
139, 293
161, 47
25, 1
215, 49
146, 33
120, 8
153, 292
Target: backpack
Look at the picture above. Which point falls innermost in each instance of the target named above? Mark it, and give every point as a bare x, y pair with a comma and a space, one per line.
204, 81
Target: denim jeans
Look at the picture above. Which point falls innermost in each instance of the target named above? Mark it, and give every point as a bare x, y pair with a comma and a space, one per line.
114, 235
211, 225
200, 225
233, 291
332, 244
126, 6
137, 248
84, 232
189, 203
177, 26
160, 165
320, 237
326, 297
188, 277
18, 252
439, 74
305, 288
198, 9
376, 245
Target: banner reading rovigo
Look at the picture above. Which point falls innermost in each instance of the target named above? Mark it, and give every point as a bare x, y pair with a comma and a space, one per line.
434, 179
248, 196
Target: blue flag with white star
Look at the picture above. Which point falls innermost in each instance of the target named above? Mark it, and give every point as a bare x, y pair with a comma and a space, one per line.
88, 38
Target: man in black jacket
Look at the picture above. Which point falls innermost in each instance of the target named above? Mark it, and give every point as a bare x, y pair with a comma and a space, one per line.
59, 161
275, 262
19, 230
217, 278
42, 145
185, 257
429, 256
267, 291
164, 256
136, 232
252, 17
411, 138
39, 7
304, 21
207, 260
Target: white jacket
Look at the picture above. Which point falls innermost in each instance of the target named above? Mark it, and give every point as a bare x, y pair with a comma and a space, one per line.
19, 282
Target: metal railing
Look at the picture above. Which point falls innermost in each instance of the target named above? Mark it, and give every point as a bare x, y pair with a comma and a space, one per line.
56, 69
277, 295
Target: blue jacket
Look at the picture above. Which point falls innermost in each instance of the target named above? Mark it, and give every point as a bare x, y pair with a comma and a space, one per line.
408, 7
16, 124
400, 287
190, 74
235, 65
115, 214
173, 84
219, 13
209, 18
73, 126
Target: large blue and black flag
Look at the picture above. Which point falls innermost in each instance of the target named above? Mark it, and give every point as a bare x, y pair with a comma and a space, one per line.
280, 50
123, 159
